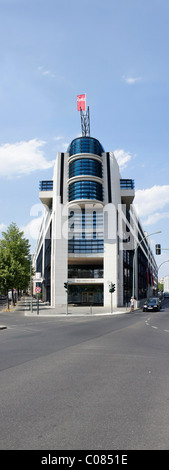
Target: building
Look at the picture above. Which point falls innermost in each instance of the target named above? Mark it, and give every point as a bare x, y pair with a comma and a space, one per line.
166, 284
90, 232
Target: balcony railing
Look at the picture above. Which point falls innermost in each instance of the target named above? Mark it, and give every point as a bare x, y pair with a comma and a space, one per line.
46, 185
127, 184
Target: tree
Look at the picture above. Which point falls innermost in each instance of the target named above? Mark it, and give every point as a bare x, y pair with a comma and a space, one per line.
14, 260
160, 287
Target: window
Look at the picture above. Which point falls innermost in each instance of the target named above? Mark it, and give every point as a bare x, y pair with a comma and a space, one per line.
85, 145
85, 166
85, 190
85, 246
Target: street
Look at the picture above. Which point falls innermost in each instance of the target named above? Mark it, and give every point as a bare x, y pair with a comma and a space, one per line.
93, 382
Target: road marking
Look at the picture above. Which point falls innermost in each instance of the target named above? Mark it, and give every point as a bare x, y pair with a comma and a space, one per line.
155, 327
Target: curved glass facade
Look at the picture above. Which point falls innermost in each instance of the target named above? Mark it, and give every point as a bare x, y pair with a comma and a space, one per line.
85, 145
85, 190
85, 166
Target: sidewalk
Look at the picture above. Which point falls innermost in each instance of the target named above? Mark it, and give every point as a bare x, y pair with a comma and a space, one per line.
46, 310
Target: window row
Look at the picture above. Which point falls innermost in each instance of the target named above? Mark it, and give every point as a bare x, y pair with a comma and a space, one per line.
86, 246
85, 145
85, 235
85, 272
85, 190
85, 166
86, 220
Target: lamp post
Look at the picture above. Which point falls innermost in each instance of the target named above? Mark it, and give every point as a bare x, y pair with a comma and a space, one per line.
135, 251
163, 263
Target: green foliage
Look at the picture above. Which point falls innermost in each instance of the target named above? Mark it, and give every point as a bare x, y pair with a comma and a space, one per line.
160, 287
14, 260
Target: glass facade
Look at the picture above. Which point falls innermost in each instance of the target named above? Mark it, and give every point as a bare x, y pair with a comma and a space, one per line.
85, 246
46, 185
86, 294
85, 219
85, 190
85, 272
85, 145
85, 226
127, 184
85, 166
86, 231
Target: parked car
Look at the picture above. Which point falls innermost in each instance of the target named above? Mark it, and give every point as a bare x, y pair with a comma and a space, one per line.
152, 304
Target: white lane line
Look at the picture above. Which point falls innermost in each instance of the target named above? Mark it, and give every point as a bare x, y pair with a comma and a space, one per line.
152, 326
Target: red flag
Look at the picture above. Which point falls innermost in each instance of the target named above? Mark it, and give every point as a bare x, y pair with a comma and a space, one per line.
81, 102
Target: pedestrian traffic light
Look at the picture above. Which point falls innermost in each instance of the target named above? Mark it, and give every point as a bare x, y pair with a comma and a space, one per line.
112, 287
65, 285
158, 249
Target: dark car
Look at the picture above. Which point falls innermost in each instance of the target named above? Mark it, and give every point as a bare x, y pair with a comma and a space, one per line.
152, 304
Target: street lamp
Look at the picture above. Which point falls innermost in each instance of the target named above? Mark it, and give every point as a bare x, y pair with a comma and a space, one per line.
163, 263
135, 251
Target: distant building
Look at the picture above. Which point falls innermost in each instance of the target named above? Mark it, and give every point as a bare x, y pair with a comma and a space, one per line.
90, 230
166, 284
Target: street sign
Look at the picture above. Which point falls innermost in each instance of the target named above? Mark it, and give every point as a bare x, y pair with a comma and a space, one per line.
37, 290
37, 276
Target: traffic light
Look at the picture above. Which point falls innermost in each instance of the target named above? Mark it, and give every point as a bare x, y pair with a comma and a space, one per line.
158, 249
112, 287
65, 285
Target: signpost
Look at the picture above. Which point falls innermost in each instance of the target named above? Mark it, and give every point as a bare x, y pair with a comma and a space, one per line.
38, 290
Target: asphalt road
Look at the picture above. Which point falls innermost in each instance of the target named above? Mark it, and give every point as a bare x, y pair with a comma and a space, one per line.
85, 383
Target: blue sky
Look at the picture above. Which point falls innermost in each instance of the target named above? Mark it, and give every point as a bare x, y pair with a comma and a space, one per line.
117, 53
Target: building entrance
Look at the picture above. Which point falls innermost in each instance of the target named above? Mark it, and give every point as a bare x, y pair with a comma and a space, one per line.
86, 294
87, 298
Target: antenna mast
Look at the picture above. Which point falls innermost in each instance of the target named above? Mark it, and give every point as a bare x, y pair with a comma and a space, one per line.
85, 122
85, 118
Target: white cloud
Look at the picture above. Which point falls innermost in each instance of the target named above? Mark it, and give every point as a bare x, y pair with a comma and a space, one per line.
46, 72
31, 230
59, 137
2, 227
152, 199
49, 73
131, 80
154, 218
22, 158
150, 203
122, 157
62, 146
